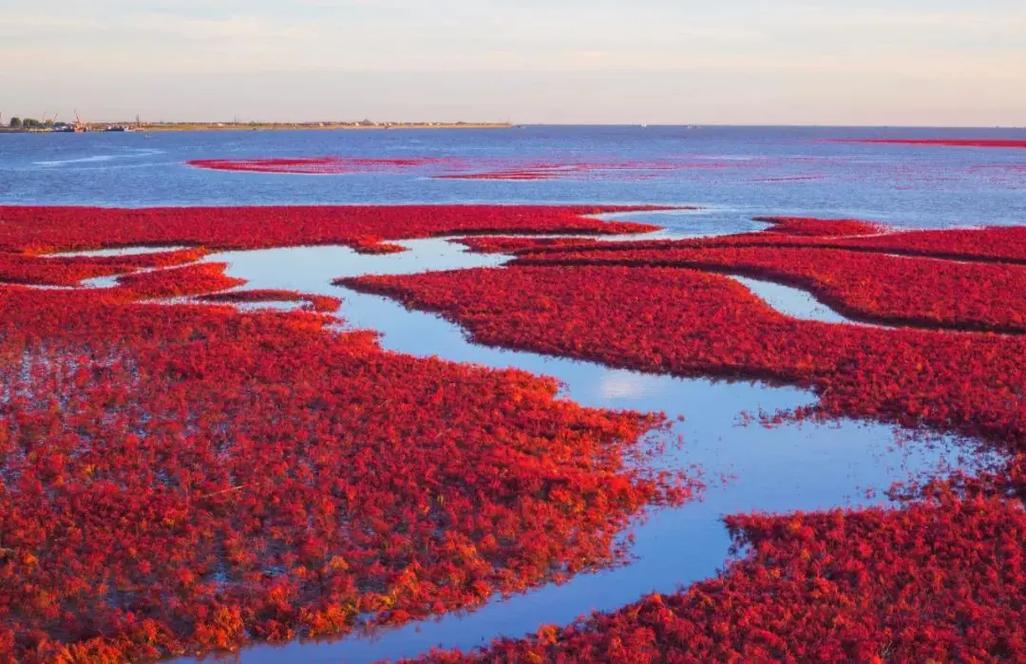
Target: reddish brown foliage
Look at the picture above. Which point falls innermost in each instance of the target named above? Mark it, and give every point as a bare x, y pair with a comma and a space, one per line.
553, 170
994, 244
179, 281
939, 581
877, 287
512, 170
497, 244
38, 229
70, 270
948, 142
812, 226
319, 165
189, 478
321, 303
858, 267
688, 322
789, 226
177, 478
372, 245
943, 579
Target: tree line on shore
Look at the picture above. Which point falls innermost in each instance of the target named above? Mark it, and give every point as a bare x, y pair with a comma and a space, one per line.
30, 123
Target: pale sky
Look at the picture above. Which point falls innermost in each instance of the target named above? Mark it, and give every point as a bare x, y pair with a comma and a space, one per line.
936, 62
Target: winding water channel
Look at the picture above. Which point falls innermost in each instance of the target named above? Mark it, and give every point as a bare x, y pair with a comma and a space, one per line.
745, 466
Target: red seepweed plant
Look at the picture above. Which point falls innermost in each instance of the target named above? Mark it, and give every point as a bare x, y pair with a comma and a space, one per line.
319, 303
941, 580
321, 165
943, 142
40, 229
189, 478
688, 322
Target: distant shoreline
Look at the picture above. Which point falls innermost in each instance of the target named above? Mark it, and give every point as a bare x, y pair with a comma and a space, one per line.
257, 126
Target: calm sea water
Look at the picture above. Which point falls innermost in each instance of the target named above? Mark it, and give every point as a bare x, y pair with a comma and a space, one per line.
747, 169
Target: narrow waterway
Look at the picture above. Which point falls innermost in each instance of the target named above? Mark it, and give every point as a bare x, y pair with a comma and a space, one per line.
746, 466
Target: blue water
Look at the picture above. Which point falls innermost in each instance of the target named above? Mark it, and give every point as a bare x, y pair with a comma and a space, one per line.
751, 171
746, 170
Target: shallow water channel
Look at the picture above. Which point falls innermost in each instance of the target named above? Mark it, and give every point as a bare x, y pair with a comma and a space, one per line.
746, 466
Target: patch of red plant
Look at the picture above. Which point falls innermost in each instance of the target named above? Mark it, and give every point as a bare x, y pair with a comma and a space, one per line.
875, 287
553, 170
497, 244
321, 303
179, 480
784, 231
320, 165
70, 270
41, 229
134, 522
189, 478
457, 169
988, 244
998, 244
992, 243
948, 142
527, 172
790, 178
179, 281
815, 227
942, 580
374, 246
688, 322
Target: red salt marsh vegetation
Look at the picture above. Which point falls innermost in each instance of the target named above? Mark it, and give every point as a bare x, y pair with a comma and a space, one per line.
454, 169
571, 169
780, 226
18, 267
175, 282
183, 478
321, 303
492, 244
944, 142
859, 268
811, 226
875, 287
941, 580
320, 165
688, 321
363, 227
189, 478
451, 168
983, 244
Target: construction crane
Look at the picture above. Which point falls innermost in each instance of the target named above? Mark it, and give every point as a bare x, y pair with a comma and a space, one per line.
79, 125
